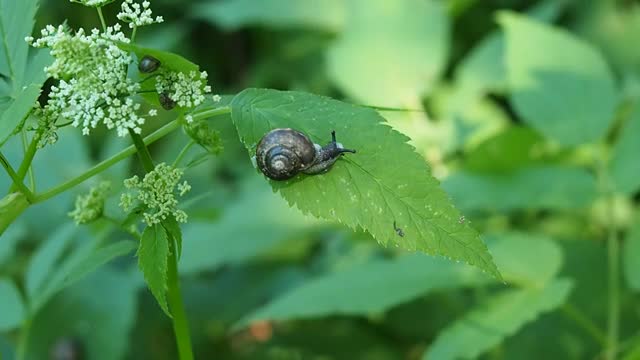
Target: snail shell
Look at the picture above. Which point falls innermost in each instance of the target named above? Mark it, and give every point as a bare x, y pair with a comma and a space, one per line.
283, 153
148, 64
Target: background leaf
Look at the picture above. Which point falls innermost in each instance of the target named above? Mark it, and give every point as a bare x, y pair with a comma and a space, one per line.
16, 23
233, 14
153, 257
414, 36
585, 110
11, 304
543, 187
369, 189
16, 113
91, 315
631, 256
251, 225
624, 165
356, 292
502, 316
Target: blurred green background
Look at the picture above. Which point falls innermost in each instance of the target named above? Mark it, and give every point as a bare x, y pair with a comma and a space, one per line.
330, 293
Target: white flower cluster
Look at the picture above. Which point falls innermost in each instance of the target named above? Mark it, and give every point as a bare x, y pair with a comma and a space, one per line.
137, 15
94, 87
92, 3
157, 192
185, 89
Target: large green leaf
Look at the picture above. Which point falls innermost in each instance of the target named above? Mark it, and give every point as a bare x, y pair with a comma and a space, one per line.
624, 166
569, 97
233, 14
45, 260
543, 187
502, 316
529, 261
153, 255
257, 221
632, 257
368, 288
16, 23
484, 68
83, 261
11, 304
385, 182
526, 260
99, 312
15, 114
390, 52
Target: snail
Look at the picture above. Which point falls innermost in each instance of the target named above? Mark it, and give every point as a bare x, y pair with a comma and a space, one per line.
148, 64
283, 153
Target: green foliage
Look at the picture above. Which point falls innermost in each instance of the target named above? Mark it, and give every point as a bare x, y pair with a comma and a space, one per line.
16, 23
356, 292
258, 214
98, 312
632, 258
415, 38
167, 60
501, 316
585, 110
17, 111
13, 310
153, 255
541, 187
624, 166
369, 189
232, 14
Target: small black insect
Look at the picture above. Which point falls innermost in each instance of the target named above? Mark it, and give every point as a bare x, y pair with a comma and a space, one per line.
167, 102
148, 64
398, 230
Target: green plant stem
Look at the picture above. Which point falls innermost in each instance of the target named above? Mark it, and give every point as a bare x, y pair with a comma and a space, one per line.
104, 24
585, 323
21, 352
15, 178
32, 179
182, 153
26, 162
104, 165
143, 152
180, 323
613, 261
207, 113
133, 34
613, 323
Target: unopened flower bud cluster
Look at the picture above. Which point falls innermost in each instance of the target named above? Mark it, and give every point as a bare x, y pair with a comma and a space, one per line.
89, 207
157, 191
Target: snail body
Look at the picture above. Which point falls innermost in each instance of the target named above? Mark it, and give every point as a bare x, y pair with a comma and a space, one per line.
283, 153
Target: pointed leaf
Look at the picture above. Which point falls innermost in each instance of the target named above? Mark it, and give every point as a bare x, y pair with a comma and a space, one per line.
16, 23
44, 261
570, 97
15, 114
385, 182
153, 257
624, 166
502, 316
360, 293
11, 304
